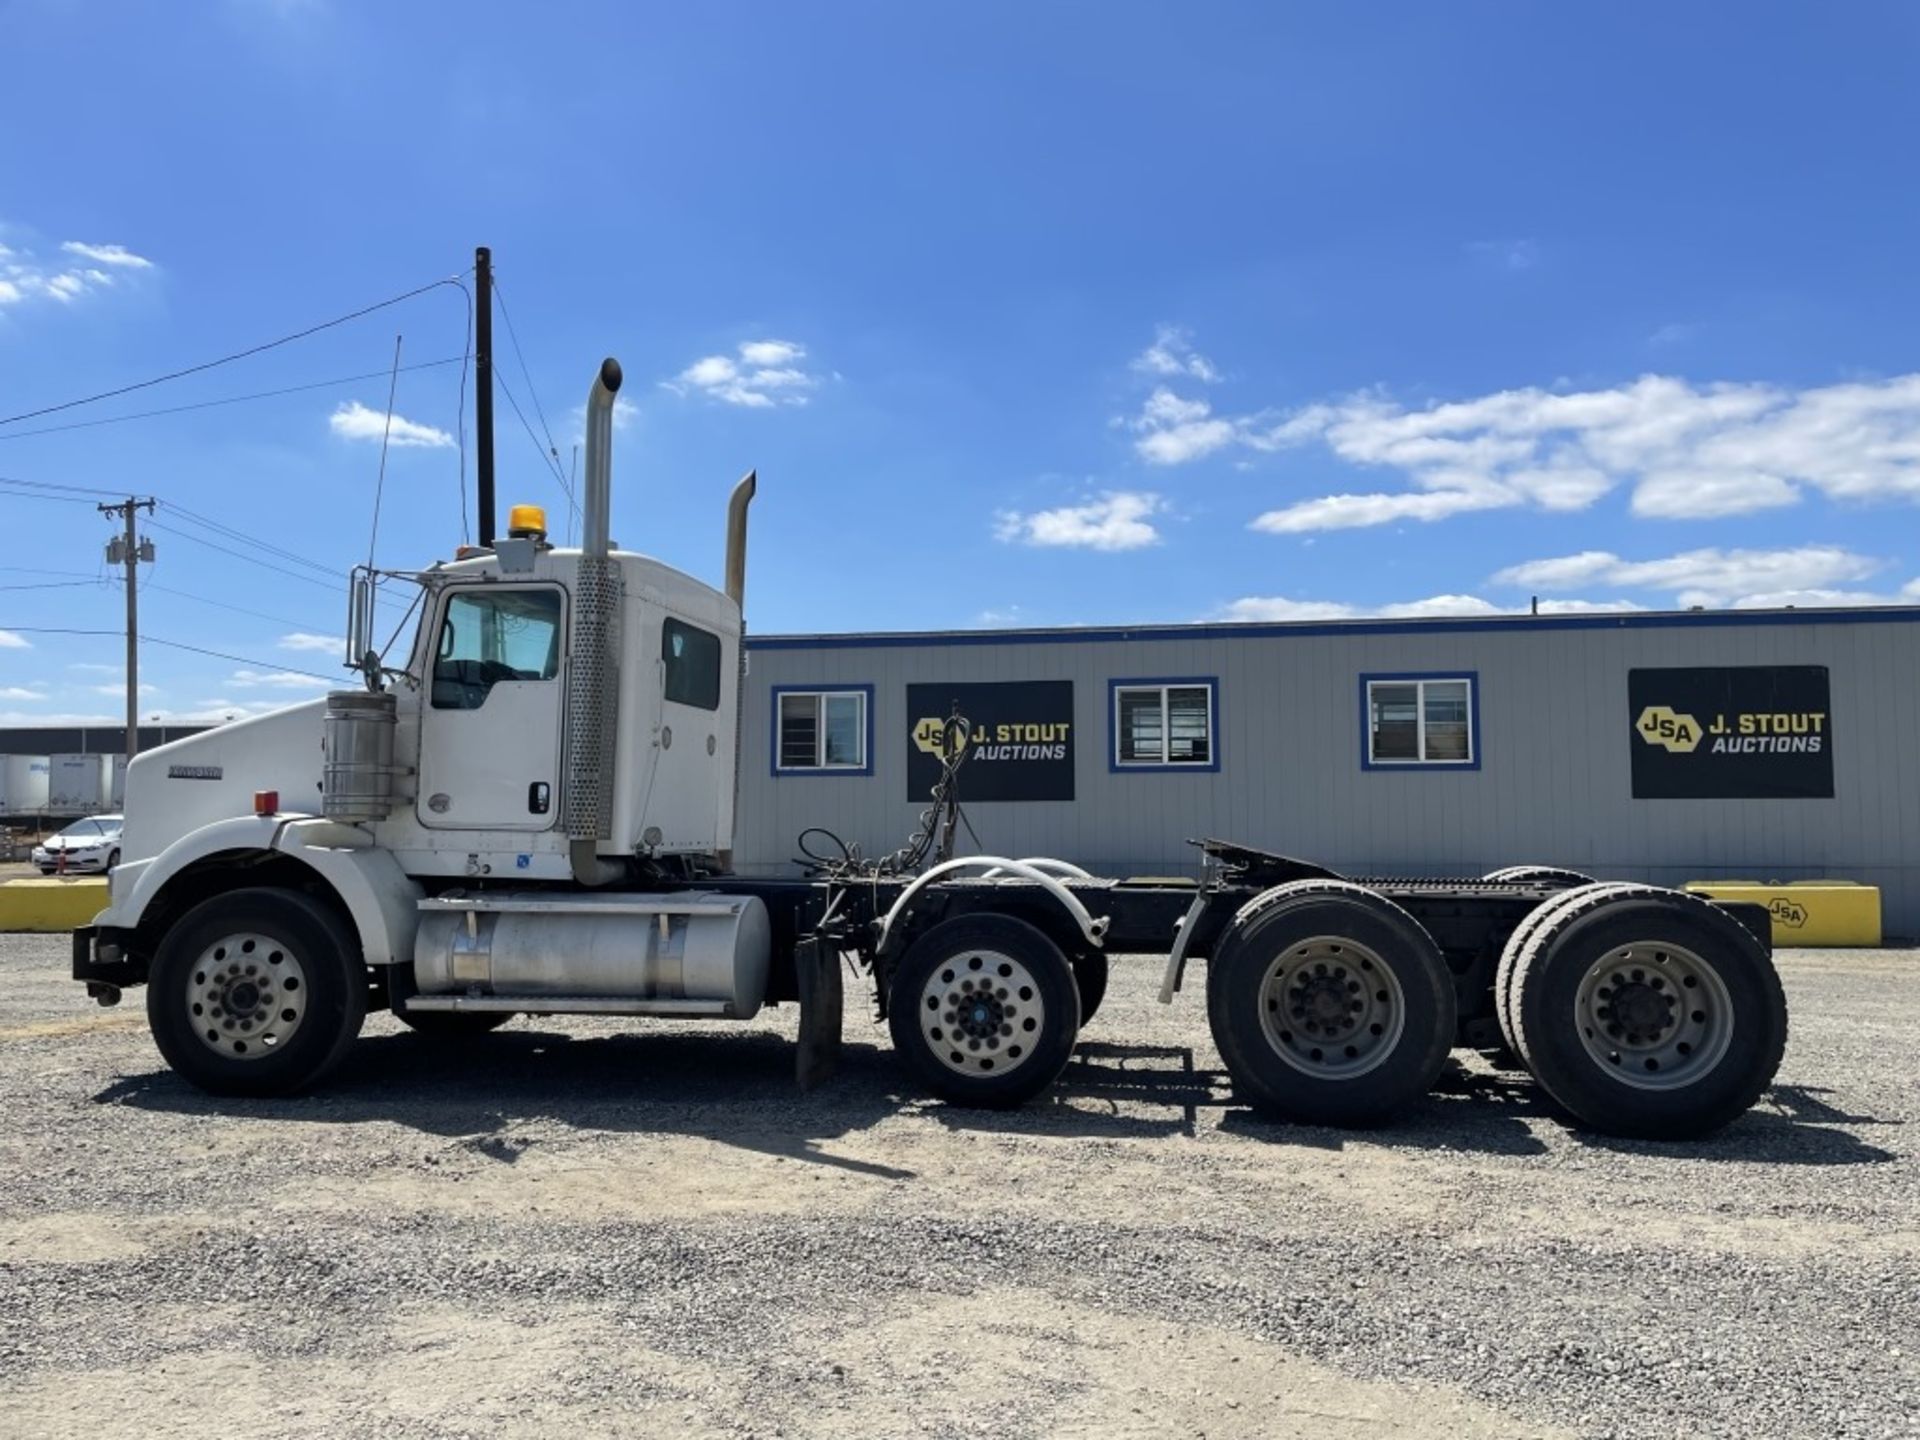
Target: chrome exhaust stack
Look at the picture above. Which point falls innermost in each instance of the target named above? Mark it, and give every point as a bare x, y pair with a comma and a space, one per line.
593, 672
743, 494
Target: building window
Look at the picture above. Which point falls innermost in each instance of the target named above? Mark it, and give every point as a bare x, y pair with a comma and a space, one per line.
1164, 725
822, 731
692, 660
1420, 720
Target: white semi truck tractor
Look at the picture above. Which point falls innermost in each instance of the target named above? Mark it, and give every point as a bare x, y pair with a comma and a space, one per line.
531, 811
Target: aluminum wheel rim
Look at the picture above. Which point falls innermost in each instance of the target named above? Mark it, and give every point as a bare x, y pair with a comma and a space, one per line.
246, 996
1332, 1008
981, 1013
1654, 1015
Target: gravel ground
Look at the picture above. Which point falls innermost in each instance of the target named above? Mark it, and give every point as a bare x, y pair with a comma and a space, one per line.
636, 1227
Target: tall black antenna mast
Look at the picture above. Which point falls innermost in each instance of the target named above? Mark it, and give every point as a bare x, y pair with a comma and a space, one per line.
483, 385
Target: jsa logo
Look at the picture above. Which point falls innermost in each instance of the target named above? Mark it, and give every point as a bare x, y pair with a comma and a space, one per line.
1665, 727
1789, 913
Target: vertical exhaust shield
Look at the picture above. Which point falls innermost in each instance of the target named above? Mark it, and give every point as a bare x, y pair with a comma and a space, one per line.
593, 672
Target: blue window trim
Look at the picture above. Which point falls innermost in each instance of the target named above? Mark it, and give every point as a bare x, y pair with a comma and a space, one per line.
1114, 687
780, 772
1367, 762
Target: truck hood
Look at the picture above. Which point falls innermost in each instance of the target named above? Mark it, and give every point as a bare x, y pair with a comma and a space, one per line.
212, 776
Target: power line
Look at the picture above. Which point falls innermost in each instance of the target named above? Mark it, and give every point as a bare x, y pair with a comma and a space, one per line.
251, 350
220, 527
533, 394
228, 400
339, 585
56, 584
54, 485
304, 626
172, 645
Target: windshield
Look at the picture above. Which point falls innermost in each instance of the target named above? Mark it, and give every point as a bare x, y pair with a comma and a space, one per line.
84, 829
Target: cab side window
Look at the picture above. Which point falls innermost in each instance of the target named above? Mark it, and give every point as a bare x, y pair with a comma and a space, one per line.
490, 635
692, 660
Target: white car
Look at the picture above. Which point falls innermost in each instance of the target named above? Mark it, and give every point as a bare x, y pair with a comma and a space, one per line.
90, 844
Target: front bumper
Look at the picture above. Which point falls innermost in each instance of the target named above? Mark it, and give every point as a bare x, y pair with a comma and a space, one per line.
100, 958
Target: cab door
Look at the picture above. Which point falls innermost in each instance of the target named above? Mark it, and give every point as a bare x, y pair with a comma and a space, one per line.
490, 731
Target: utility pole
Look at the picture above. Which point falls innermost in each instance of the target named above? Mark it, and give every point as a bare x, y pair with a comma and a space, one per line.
129, 550
483, 387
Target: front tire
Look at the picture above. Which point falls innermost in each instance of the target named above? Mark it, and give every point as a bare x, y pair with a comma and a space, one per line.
1330, 1004
984, 1010
256, 992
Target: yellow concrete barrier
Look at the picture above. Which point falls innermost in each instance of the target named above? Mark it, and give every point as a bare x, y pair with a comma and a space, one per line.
51, 905
1807, 912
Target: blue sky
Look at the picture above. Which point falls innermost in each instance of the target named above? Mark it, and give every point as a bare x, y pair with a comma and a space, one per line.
1075, 313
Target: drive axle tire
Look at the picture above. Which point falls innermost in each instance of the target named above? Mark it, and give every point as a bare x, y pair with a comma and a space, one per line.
1538, 875
1516, 946
1090, 979
1330, 1004
1648, 1013
452, 1024
256, 992
984, 1010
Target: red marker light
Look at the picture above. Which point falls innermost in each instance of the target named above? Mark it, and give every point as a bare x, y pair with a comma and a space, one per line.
266, 802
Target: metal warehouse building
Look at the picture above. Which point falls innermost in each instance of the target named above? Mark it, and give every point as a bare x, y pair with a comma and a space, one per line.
1665, 747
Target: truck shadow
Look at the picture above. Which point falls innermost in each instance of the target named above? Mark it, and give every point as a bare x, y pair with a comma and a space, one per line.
737, 1089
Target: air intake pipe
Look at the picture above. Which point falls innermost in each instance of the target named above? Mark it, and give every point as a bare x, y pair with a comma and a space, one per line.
593, 674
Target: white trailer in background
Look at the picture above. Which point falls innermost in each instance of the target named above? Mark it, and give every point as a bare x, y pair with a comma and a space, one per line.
117, 798
80, 784
23, 785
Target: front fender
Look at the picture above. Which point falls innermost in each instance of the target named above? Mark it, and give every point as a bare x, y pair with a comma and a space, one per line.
380, 898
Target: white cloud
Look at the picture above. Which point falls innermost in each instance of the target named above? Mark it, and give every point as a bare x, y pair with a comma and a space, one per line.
1688, 451
1676, 332
1802, 575
11, 641
277, 679
25, 276
302, 640
771, 352
1278, 608
354, 421
115, 255
1174, 431
121, 689
1172, 353
765, 374
20, 692
1117, 520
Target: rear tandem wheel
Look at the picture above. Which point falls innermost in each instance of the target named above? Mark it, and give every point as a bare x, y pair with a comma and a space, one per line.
1647, 1012
1330, 1004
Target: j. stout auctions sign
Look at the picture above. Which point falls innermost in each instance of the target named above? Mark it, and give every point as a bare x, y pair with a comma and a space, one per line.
1746, 732
1019, 746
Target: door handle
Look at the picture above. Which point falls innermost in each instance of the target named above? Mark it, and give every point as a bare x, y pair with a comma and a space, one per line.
539, 798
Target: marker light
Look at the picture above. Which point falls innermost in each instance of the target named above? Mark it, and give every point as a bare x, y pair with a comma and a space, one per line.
266, 802
527, 520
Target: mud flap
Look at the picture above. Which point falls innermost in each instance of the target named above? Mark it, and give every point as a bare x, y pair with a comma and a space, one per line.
822, 1003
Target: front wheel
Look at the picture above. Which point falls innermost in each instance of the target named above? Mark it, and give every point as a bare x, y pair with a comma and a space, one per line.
256, 992
984, 1010
1330, 1004
113, 860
